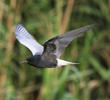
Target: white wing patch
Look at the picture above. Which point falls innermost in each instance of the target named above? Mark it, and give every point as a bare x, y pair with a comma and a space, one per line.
27, 40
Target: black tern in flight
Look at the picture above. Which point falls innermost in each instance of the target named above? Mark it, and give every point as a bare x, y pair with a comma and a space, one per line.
48, 55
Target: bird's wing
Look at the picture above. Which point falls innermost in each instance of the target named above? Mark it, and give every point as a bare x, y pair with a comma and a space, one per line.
27, 40
57, 44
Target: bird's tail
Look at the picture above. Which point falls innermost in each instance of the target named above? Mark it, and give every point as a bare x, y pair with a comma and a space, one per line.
61, 62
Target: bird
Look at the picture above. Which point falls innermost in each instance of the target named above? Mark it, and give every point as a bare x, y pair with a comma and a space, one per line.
48, 54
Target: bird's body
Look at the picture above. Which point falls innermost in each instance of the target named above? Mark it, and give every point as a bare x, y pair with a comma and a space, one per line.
42, 61
48, 55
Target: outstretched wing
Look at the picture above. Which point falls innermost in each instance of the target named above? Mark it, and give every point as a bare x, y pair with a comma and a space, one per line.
27, 40
56, 45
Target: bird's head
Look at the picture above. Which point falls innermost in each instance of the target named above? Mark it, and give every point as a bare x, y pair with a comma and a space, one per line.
31, 60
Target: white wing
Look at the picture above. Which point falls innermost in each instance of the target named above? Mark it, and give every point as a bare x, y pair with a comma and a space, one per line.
27, 40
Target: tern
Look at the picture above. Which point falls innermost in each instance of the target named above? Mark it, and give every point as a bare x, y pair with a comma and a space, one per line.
48, 54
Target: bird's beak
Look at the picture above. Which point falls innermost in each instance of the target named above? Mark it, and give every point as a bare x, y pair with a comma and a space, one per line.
25, 61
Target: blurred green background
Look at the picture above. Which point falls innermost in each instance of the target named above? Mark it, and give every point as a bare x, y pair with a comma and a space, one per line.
90, 80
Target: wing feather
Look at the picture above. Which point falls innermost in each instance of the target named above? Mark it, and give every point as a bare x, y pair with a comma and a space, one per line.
27, 40
57, 44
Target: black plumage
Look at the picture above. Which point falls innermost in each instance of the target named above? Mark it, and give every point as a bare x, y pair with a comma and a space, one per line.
48, 55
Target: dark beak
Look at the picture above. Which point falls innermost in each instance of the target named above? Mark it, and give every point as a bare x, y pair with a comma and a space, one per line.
25, 61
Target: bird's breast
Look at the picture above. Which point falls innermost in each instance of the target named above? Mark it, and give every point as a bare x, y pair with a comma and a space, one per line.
48, 61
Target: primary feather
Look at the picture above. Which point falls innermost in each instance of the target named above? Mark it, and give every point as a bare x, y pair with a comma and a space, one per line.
27, 40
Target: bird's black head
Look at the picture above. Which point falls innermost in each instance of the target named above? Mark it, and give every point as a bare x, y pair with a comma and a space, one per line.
32, 60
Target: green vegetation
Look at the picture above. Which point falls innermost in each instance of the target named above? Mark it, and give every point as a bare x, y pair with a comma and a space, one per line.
90, 80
